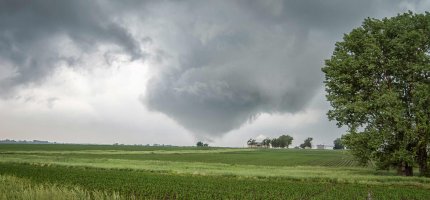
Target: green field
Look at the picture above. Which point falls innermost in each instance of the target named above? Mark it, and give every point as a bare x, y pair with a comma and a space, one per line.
137, 172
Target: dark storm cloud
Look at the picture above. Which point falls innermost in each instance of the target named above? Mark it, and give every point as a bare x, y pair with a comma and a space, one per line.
31, 31
243, 58
218, 64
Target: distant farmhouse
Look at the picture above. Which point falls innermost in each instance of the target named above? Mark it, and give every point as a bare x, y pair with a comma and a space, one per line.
283, 141
323, 146
256, 145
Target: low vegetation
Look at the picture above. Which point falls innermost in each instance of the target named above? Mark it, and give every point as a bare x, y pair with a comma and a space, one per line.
94, 172
15, 188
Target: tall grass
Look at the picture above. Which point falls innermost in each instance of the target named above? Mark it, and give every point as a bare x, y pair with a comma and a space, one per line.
15, 188
132, 184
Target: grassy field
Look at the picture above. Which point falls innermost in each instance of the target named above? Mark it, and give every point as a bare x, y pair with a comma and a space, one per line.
137, 172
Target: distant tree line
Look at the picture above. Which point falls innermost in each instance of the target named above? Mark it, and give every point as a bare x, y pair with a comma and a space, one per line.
283, 141
338, 144
7, 141
201, 144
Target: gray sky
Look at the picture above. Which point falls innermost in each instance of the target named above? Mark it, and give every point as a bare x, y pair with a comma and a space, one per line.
172, 72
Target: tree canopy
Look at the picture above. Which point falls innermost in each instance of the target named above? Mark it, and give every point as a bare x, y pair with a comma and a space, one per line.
285, 141
266, 142
378, 84
251, 142
307, 143
199, 144
282, 141
338, 144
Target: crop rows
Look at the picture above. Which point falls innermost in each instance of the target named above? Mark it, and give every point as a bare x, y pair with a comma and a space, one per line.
162, 186
337, 163
144, 184
79, 147
262, 157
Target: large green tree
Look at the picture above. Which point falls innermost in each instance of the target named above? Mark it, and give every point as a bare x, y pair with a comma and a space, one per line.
378, 84
338, 144
199, 144
285, 141
266, 142
275, 143
251, 142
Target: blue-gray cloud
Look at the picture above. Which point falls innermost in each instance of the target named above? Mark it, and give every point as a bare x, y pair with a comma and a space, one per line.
30, 32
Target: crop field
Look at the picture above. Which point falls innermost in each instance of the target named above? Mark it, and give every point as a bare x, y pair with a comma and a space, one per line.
137, 172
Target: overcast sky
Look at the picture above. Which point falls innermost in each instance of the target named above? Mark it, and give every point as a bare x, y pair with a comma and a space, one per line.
172, 72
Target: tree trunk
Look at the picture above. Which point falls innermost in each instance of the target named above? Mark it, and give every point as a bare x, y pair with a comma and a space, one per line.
404, 169
421, 152
408, 170
400, 169
422, 161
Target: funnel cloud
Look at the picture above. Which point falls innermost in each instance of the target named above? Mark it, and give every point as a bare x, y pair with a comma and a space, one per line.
238, 60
